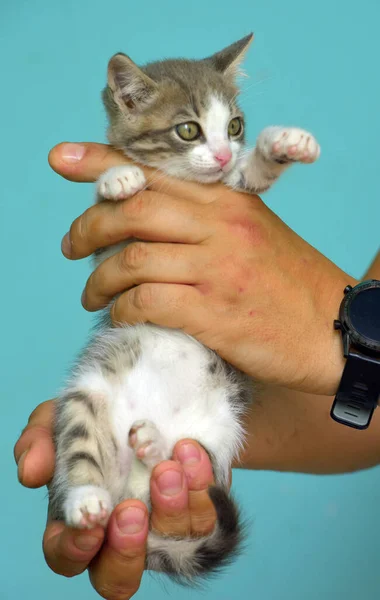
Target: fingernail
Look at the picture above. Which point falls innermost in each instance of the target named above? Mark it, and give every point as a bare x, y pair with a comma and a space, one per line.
72, 153
66, 245
170, 483
188, 454
86, 542
131, 520
20, 465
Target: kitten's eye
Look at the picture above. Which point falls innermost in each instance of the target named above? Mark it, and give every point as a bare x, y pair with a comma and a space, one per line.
235, 126
188, 131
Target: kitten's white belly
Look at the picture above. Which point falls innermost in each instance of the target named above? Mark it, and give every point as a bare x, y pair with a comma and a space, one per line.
170, 385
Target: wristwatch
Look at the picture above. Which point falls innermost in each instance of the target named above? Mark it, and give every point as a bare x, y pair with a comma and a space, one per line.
359, 323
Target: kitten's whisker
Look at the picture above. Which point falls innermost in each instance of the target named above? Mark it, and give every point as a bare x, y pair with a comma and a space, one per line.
160, 175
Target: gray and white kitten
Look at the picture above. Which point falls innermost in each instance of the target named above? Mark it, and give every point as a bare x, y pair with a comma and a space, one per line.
137, 390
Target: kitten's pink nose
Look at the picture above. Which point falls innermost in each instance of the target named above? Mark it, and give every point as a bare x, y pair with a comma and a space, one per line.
223, 157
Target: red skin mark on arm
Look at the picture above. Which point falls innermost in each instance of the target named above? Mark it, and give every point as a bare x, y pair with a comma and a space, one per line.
246, 230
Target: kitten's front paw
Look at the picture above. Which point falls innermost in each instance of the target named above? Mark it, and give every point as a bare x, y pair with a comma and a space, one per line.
87, 506
119, 183
288, 144
147, 443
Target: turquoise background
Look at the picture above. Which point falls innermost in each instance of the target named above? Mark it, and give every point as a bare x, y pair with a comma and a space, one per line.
313, 64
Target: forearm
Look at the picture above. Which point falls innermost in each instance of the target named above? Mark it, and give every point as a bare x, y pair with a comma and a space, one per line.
293, 431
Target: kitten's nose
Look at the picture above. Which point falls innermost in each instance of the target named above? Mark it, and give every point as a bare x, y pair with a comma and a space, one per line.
223, 157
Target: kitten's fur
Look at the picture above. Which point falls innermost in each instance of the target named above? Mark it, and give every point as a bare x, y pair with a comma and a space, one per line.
137, 390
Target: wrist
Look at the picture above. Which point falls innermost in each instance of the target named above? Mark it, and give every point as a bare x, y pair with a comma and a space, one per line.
329, 354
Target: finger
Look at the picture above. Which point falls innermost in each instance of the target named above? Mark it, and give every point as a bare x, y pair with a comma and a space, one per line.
117, 570
34, 451
142, 262
147, 216
198, 470
85, 162
169, 495
68, 551
164, 304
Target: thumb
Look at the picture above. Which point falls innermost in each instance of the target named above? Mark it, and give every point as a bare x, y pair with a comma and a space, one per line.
34, 450
84, 162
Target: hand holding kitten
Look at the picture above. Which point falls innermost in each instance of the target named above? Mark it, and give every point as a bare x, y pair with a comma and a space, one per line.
224, 268
118, 564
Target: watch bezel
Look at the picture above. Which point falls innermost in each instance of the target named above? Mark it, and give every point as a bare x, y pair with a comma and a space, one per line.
356, 338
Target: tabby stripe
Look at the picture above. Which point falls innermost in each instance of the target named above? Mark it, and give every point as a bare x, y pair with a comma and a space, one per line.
78, 456
75, 433
153, 148
194, 106
85, 399
148, 134
108, 368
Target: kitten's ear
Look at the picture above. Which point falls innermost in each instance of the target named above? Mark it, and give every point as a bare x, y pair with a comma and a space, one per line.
228, 60
131, 88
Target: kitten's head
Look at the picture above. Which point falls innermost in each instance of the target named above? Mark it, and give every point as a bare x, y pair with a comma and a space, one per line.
180, 116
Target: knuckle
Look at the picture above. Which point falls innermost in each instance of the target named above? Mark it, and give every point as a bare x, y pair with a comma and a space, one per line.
134, 256
203, 523
86, 230
96, 286
76, 231
91, 225
32, 432
92, 283
171, 522
143, 297
137, 206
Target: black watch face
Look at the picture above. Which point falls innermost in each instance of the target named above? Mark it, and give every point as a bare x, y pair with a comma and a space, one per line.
363, 314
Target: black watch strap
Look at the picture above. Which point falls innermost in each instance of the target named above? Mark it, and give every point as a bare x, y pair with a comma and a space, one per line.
358, 391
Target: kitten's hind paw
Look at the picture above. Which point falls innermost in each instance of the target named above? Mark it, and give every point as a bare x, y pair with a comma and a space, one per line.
87, 506
118, 183
288, 144
147, 443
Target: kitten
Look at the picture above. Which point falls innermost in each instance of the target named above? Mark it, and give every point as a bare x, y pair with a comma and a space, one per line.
137, 390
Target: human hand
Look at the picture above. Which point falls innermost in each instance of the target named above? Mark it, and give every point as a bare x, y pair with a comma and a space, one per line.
116, 565
224, 268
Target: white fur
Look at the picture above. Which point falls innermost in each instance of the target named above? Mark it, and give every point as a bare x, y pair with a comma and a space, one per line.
87, 506
170, 387
289, 142
148, 443
201, 158
118, 183
260, 167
